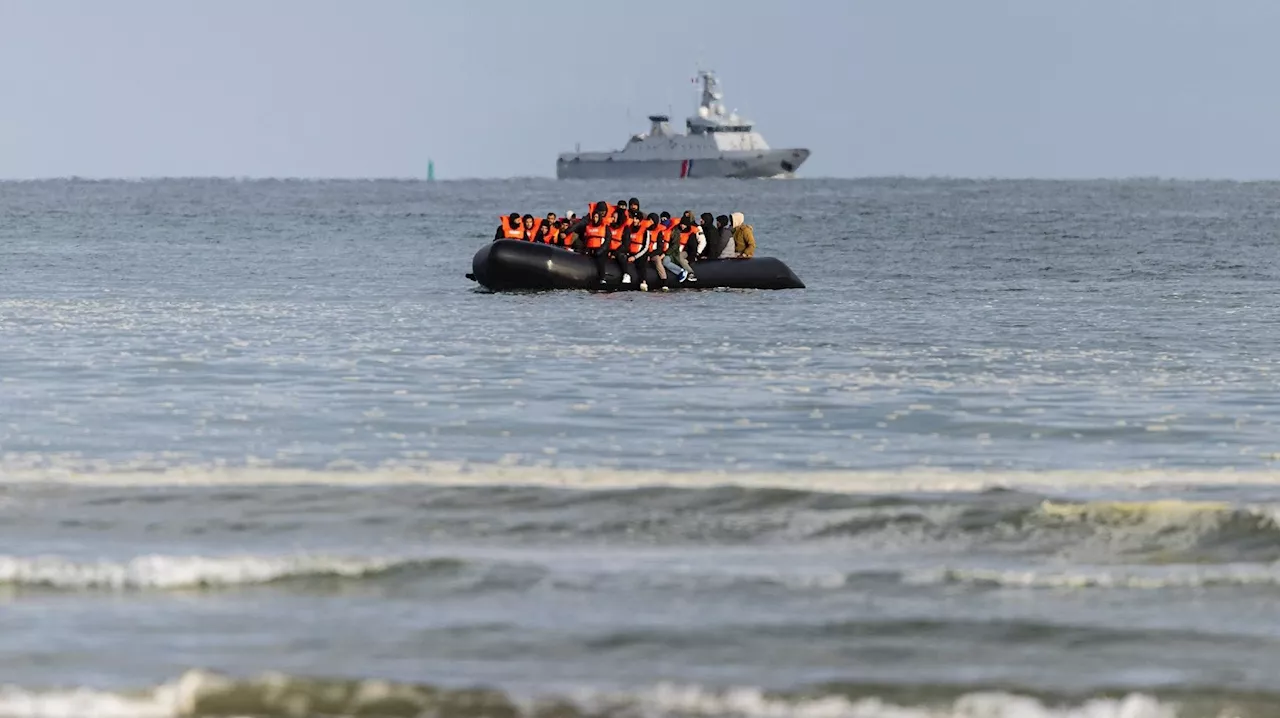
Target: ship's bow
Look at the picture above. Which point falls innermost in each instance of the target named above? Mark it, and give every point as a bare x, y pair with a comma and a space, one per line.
791, 160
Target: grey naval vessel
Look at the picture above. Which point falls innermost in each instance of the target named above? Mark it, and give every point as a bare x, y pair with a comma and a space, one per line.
715, 144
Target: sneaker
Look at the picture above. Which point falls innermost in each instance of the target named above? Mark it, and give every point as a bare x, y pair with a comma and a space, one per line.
626, 278
692, 278
665, 288
644, 286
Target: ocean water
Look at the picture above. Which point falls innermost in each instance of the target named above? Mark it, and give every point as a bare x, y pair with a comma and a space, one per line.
265, 451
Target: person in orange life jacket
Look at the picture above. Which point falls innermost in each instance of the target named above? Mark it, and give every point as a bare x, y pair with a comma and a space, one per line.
551, 229
662, 232
548, 230
530, 228
510, 228
562, 238
692, 255
683, 243
635, 247
657, 248
595, 241
567, 235
617, 229
573, 236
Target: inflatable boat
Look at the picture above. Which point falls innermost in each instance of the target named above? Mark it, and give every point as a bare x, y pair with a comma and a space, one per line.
512, 264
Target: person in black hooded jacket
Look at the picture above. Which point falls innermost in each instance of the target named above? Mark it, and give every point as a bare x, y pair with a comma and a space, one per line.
719, 238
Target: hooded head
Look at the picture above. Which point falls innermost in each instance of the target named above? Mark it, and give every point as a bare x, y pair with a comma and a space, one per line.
722, 221
738, 219
707, 219
653, 218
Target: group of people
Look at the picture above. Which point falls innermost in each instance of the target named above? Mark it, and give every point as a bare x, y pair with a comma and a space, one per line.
634, 239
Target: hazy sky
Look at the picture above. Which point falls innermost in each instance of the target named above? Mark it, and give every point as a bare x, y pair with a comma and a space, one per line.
496, 88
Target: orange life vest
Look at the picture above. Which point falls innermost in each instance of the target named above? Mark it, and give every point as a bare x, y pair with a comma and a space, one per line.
661, 239
553, 233
512, 231
637, 237
530, 233
595, 234
692, 231
615, 237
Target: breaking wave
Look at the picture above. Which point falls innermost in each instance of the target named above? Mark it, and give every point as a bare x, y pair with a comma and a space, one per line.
169, 470
199, 694
1127, 577
473, 575
194, 572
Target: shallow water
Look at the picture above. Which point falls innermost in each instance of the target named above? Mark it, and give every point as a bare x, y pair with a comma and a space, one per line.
1011, 452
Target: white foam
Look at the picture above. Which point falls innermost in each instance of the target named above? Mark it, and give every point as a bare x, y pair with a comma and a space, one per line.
183, 698
1131, 577
176, 572
16, 702
754, 703
163, 471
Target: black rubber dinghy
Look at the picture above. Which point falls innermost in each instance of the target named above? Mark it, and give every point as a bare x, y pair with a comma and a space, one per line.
512, 264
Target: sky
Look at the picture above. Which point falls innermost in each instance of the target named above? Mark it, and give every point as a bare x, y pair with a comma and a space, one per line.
497, 88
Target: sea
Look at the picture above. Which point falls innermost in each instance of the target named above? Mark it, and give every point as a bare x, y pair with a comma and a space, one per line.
265, 450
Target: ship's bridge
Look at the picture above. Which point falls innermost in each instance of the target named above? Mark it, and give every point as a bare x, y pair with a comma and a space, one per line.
729, 132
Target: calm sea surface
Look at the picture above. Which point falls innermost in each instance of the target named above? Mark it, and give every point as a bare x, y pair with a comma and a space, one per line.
265, 451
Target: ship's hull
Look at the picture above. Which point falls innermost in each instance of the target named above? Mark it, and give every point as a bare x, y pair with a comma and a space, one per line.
744, 165
512, 265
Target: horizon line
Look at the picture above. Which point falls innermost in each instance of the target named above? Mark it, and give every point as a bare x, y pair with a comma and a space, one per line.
423, 180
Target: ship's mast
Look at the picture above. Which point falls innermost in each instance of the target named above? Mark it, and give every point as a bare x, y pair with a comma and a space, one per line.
711, 94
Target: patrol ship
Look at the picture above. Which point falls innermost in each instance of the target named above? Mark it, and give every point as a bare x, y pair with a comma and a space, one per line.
716, 144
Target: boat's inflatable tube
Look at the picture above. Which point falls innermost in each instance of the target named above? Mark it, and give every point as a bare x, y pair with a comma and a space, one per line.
512, 264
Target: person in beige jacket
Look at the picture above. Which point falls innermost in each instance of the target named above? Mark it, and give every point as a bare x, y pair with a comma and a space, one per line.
744, 238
